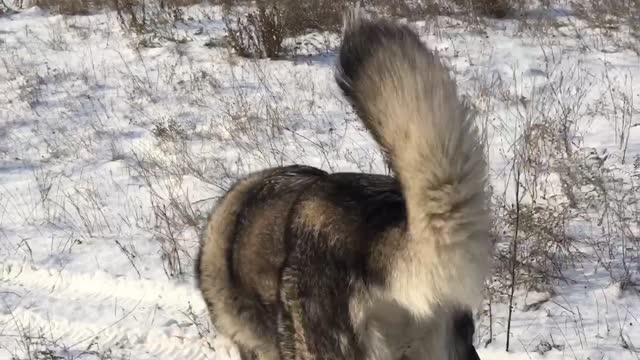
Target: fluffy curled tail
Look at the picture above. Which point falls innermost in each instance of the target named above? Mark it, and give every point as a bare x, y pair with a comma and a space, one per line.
408, 101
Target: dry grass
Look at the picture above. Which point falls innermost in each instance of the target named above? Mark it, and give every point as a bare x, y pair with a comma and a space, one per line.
609, 14
490, 8
259, 34
84, 7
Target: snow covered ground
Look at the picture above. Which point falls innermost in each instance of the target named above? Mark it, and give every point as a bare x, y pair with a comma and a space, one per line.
111, 155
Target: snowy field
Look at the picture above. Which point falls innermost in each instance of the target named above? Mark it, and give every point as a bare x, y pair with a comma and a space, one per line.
112, 153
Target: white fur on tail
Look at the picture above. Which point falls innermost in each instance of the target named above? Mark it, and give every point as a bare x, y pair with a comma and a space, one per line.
407, 99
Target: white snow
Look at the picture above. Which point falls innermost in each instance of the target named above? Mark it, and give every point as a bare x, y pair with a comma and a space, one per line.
84, 254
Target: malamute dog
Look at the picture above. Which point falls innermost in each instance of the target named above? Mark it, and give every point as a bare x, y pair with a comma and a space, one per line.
297, 263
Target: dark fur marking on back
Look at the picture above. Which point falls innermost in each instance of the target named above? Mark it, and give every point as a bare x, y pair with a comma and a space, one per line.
258, 193
314, 271
378, 197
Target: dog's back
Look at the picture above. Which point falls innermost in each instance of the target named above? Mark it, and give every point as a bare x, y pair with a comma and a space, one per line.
297, 263
242, 251
279, 240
